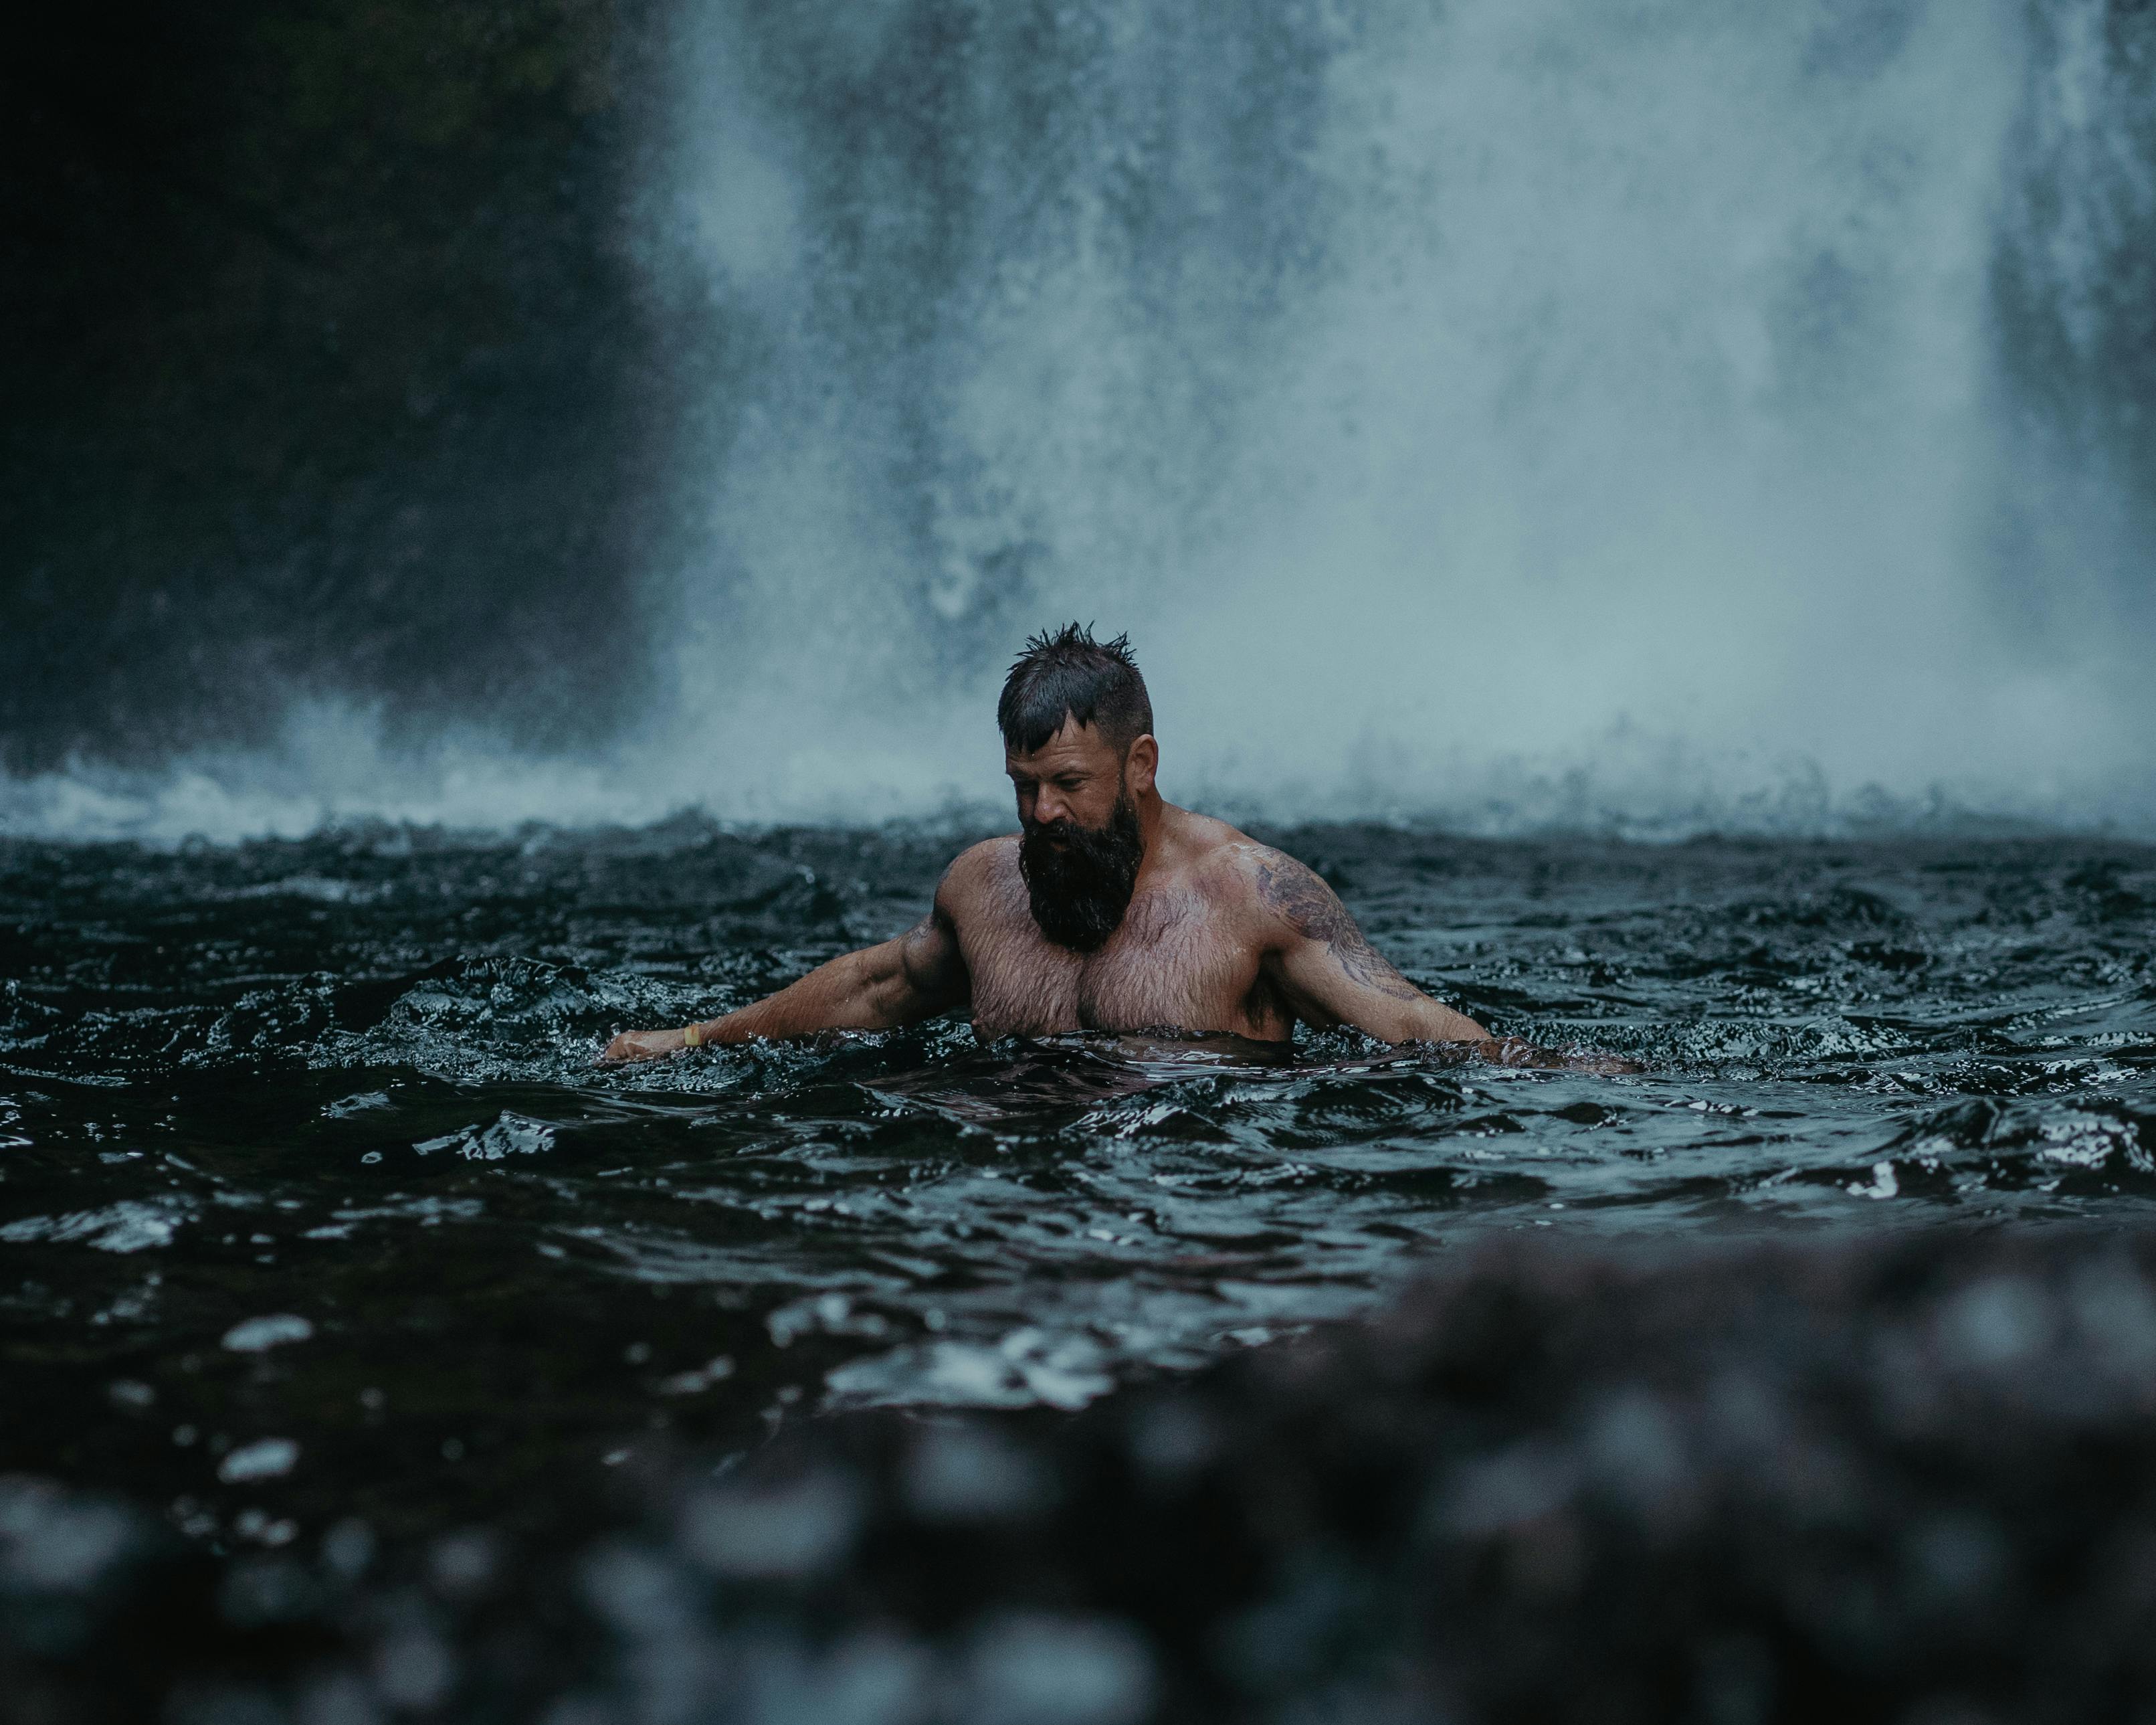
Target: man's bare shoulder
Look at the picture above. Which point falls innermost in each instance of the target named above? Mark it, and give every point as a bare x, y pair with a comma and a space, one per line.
1266, 886
980, 876
1200, 832
1284, 896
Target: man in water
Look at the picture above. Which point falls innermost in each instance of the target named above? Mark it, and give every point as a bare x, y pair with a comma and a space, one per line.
1111, 909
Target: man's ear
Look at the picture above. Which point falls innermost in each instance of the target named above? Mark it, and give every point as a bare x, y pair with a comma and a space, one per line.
1141, 764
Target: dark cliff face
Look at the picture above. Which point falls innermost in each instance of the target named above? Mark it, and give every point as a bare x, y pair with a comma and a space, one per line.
326, 369
358, 350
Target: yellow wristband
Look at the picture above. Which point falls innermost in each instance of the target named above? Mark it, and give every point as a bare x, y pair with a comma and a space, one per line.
693, 1036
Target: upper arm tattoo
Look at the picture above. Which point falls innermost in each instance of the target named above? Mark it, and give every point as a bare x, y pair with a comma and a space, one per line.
1312, 909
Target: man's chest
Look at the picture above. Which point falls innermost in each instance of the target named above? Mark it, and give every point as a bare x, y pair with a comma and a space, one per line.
1172, 963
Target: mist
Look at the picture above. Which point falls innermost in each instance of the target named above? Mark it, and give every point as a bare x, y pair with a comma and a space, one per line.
1647, 419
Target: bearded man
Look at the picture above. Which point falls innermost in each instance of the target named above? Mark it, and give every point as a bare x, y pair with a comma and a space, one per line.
1109, 909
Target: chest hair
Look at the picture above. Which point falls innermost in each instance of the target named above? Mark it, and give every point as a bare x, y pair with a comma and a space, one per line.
1170, 964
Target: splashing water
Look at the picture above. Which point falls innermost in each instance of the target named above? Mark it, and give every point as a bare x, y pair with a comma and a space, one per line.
301, 1145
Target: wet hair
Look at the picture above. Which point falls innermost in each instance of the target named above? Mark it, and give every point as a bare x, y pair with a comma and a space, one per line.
1069, 675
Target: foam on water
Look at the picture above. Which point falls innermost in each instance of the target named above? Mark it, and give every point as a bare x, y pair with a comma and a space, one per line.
332, 770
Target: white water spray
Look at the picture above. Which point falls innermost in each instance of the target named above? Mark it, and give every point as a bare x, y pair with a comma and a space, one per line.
1631, 446
1510, 414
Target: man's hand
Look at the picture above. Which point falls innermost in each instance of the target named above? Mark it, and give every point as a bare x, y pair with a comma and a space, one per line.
643, 1045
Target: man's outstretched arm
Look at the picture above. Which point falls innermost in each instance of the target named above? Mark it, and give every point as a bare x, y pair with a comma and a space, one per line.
921, 973
1333, 975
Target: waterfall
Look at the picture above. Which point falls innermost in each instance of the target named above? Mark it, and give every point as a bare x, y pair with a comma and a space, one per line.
1536, 411
1509, 412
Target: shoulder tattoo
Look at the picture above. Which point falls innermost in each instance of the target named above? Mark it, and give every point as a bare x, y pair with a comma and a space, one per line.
1313, 910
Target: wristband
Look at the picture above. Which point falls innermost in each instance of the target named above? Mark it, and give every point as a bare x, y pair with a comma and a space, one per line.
693, 1036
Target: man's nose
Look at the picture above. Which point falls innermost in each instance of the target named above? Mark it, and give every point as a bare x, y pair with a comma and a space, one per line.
1048, 807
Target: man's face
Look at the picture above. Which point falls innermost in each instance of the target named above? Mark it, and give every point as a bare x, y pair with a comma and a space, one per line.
1072, 780
1082, 844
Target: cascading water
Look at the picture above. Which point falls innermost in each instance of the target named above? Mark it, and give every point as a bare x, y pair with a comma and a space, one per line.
1528, 385
1519, 414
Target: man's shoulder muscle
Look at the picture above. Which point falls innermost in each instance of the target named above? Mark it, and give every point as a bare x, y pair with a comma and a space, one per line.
978, 877
1214, 855
1298, 911
1282, 897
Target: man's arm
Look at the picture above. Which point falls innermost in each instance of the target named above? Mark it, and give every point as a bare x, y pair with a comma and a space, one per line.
1333, 975
919, 974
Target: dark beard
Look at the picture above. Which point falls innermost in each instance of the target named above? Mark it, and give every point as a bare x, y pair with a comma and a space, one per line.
1081, 890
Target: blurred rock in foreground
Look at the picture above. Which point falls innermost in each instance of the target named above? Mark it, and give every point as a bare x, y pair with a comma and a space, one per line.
1910, 1481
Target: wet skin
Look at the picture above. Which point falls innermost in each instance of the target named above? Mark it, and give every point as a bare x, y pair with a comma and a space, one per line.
1222, 935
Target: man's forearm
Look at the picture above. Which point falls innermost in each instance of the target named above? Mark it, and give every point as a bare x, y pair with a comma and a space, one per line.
857, 990
1437, 1022
1444, 1025
1410, 1016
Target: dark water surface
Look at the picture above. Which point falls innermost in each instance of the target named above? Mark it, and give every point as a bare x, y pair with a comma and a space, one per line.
314, 1209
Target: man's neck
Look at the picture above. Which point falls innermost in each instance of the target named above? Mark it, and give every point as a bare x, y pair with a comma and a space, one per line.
1155, 815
